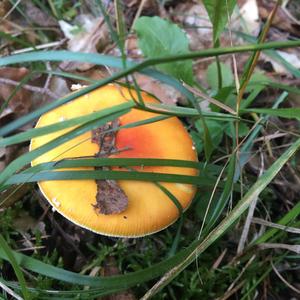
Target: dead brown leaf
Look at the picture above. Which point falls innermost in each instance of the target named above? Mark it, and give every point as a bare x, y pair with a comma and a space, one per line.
6, 116
282, 20
13, 194
94, 38
111, 269
4, 8
166, 94
194, 15
37, 16
133, 7
20, 104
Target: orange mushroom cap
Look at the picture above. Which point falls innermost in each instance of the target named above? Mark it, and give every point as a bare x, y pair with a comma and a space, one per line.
149, 208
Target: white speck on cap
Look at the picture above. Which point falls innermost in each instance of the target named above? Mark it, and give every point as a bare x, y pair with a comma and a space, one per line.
78, 86
61, 119
56, 202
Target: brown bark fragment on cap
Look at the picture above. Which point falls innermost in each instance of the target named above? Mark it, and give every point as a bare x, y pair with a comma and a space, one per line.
110, 198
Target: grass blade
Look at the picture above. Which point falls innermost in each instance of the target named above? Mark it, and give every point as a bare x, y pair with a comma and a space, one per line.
28, 157
232, 217
11, 258
149, 62
289, 113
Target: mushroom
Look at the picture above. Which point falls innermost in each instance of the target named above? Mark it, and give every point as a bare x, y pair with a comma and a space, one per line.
144, 208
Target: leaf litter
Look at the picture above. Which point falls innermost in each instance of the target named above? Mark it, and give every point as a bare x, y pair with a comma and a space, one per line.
92, 36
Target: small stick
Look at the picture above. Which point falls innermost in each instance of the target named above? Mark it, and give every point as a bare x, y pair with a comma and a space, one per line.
275, 225
284, 280
249, 216
28, 87
10, 291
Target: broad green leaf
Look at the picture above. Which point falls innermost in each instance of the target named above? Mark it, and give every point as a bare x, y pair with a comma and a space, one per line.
158, 37
216, 130
257, 79
243, 130
202, 201
218, 11
212, 75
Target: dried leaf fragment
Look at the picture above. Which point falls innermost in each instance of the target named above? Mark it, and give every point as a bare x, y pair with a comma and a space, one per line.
21, 102
38, 16
110, 198
95, 35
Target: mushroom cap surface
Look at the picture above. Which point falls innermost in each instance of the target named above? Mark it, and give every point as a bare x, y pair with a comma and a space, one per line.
149, 208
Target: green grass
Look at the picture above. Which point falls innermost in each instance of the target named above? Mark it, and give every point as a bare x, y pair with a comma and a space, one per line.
180, 262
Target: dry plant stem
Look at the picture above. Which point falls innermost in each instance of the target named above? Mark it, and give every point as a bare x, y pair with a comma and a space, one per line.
28, 87
48, 79
256, 55
10, 291
209, 99
294, 173
269, 137
283, 6
138, 13
203, 60
293, 248
253, 65
275, 225
232, 292
27, 242
34, 238
238, 146
211, 198
292, 133
47, 83
236, 76
251, 210
268, 144
283, 280
219, 260
32, 249
207, 210
40, 47
66, 236
10, 11
241, 273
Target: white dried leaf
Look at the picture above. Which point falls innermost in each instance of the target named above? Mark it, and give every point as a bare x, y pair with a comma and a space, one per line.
291, 58
93, 31
250, 15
